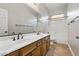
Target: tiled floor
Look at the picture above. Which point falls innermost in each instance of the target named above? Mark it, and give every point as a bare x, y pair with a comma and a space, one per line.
59, 50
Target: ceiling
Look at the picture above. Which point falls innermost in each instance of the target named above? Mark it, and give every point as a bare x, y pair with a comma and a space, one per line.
56, 8
45, 9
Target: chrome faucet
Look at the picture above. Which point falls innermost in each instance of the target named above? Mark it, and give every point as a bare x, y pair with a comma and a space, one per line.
13, 38
18, 37
38, 32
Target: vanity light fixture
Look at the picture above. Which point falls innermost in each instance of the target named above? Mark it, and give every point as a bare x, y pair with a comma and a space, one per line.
57, 16
44, 18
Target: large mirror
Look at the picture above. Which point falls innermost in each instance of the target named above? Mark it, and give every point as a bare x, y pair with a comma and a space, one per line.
15, 18
20, 17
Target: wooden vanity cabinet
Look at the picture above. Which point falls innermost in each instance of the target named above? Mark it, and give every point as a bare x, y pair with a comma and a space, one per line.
37, 48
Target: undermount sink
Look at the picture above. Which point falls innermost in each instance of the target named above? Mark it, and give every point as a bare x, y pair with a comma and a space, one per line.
10, 42
19, 41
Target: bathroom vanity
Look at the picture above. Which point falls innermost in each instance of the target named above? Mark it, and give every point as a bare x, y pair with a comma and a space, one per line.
30, 45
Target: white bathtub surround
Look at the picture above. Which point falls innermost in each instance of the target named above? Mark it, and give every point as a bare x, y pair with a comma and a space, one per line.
73, 11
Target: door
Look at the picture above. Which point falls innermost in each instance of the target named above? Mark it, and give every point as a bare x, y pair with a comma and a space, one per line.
37, 51
3, 22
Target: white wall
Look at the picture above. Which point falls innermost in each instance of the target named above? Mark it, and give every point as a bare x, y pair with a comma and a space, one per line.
58, 30
18, 13
73, 11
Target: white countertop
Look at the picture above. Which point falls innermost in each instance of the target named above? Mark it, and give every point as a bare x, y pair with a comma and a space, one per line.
8, 46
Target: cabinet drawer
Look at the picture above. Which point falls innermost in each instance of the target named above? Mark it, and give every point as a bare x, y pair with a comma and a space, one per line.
44, 40
39, 42
27, 49
48, 37
48, 40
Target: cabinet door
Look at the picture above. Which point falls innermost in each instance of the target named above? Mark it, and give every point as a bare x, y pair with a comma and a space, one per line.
44, 47
27, 49
48, 43
37, 51
15, 53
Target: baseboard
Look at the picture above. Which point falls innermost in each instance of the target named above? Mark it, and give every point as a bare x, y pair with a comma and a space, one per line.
70, 49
